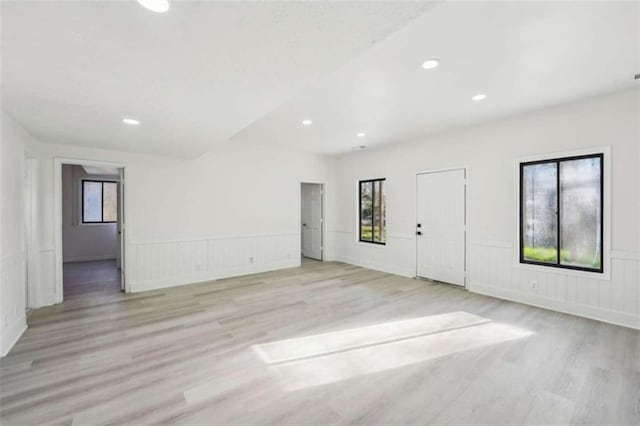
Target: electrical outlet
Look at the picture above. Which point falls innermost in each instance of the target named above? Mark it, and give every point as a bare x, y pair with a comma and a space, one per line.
534, 284
251, 259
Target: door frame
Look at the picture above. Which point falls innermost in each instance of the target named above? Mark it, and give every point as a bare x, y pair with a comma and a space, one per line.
29, 192
323, 228
466, 218
58, 162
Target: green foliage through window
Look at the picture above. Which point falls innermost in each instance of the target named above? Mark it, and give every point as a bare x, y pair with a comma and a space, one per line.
561, 212
372, 211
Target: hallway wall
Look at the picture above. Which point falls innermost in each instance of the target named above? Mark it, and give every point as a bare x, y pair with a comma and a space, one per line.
16, 143
83, 242
232, 211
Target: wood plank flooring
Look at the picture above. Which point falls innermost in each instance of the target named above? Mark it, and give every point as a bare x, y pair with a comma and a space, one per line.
327, 343
81, 278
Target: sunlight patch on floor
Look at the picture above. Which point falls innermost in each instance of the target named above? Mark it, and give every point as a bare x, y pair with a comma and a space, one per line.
331, 357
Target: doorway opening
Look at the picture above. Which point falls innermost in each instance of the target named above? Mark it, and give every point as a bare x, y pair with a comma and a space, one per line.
91, 257
312, 220
441, 226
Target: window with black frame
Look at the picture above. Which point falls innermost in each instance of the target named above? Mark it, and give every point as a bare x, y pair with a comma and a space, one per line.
561, 212
372, 221
99, 201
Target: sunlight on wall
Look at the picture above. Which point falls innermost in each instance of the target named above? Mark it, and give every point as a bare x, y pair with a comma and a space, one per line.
331, 357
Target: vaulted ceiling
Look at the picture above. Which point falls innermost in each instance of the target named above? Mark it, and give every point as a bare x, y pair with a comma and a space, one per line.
208, 73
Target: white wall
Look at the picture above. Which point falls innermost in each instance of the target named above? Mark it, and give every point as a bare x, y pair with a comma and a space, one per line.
82, 242
235, 210
490, 152
232, 211
15, 143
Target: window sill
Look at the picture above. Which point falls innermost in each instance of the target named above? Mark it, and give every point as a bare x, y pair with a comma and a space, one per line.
374, 245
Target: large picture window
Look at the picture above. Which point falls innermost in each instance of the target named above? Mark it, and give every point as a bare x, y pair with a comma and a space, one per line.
561, 205
372, 211
99, 201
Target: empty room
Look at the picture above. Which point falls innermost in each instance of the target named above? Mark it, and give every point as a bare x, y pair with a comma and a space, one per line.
320, 212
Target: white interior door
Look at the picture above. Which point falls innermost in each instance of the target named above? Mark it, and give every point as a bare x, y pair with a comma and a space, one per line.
440, 227
121, 230
311, 216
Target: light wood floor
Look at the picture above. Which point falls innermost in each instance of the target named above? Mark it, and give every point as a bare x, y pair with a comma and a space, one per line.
327, 343
96, 277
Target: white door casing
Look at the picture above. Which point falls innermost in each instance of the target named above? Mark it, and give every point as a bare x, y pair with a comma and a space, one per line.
311, 220
440, 226
121, 229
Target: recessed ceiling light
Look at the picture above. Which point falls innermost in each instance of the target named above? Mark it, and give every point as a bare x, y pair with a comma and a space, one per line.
478, 97
430, 64
158, 6
307, 122
361, 135
131, 121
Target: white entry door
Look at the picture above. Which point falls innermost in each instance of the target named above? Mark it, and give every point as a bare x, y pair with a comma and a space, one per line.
440, 226
311, 215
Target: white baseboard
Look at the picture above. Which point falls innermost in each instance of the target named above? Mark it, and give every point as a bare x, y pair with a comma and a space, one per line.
88, 258
138, 286
613, 317
12, 333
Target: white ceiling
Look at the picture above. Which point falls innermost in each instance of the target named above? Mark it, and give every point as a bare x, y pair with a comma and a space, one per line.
208, 72
194, 76
523, 55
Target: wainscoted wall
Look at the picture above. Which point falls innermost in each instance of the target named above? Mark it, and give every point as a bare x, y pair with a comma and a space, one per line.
491, 270
395, 257
45, 294
159, 264
490, 153
13, 321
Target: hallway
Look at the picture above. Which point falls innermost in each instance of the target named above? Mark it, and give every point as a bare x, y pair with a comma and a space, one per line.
85, 278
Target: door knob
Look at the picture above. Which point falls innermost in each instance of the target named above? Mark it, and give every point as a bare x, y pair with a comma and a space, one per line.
418, 233
304, 224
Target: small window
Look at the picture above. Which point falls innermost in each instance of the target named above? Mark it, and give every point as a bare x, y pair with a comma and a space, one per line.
373, 225
99, 201
561, 204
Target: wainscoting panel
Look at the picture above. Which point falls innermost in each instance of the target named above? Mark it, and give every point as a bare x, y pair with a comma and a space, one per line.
492, 271
13, 320
396, 257
159, 264
46, 288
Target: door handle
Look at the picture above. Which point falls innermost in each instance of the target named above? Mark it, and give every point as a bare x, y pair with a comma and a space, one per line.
418, 233
304, 224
